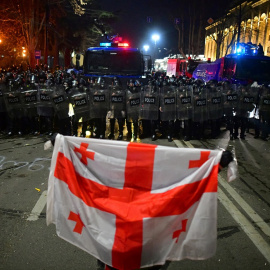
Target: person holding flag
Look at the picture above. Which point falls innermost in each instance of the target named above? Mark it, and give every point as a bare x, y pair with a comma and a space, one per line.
135, 205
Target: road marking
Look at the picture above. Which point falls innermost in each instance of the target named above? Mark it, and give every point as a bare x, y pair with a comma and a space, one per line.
189, 144
245, 206
246, 226
179, 144
34, 215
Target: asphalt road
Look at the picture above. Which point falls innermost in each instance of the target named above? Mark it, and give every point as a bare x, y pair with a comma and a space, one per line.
26, 242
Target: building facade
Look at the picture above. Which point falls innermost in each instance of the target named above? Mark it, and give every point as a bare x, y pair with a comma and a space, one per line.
255, 28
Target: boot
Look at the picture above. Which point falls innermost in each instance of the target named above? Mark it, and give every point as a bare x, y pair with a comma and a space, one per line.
129, 133
112, 123
120, 137
135, 127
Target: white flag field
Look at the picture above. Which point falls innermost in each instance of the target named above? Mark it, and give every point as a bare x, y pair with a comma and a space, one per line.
134, 205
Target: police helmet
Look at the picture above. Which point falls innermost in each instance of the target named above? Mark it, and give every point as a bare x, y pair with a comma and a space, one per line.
82, 81
42, 76
199, 82
9, 76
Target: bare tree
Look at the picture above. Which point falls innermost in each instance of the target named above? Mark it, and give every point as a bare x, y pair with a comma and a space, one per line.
229, 25
192, 21
12, 39
50, 25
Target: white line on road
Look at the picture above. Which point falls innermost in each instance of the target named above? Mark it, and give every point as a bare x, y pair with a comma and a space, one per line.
34, 215
189, 144
245, 206
247, 227
179, 144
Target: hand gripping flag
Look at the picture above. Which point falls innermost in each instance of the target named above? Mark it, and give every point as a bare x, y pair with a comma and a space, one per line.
134, 205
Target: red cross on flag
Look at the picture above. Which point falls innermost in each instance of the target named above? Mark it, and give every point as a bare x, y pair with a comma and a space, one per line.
134, 205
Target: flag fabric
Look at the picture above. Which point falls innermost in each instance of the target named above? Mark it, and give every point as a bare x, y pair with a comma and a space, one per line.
133, 205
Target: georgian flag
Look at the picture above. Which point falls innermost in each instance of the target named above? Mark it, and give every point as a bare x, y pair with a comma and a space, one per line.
134, 205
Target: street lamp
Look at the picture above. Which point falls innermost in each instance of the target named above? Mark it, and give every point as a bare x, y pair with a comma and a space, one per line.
146, 48
155, 37
23, 52
147, 59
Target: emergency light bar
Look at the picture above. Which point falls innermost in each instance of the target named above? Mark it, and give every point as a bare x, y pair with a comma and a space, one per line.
123, 44
108, 44
105, 44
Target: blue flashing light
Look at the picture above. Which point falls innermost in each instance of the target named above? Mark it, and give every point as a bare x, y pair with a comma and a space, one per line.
105, 44
113, 49
238, 50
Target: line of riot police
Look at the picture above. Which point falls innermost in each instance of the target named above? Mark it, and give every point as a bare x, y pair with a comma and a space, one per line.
29, 101
39, 102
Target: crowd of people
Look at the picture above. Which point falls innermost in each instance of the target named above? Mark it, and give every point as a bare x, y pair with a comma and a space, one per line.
38, 101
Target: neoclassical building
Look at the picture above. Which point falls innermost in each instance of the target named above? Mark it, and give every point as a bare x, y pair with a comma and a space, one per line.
255, 28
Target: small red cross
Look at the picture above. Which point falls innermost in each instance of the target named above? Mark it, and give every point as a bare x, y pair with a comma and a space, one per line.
132, 203
199, 163
177, 233
85, 154
79, 224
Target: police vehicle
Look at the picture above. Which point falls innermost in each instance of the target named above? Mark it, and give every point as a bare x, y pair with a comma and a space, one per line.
114, 59
243, 67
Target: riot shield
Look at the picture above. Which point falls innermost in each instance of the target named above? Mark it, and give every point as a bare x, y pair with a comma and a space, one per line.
99, 101
29, 100
168, 103
199, 104
13, 103
80, 101
247, 100
230, 100
215, 103
184, 102
2, 101
264, 104
149, 103
45, 93
117, 103
45, 103
60, 101
133, 103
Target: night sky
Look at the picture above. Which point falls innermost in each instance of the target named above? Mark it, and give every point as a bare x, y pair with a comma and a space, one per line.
135, 29
133, 26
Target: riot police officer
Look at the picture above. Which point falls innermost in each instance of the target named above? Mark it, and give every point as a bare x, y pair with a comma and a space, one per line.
99, 106
199, 109
264, 112
117, 108
214, 106
245, 105
61, 106
149, 111
167, 108
13, 104
184, 107
29, 100
3, 110
133, 107
230, 101
79, 96
45, 107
